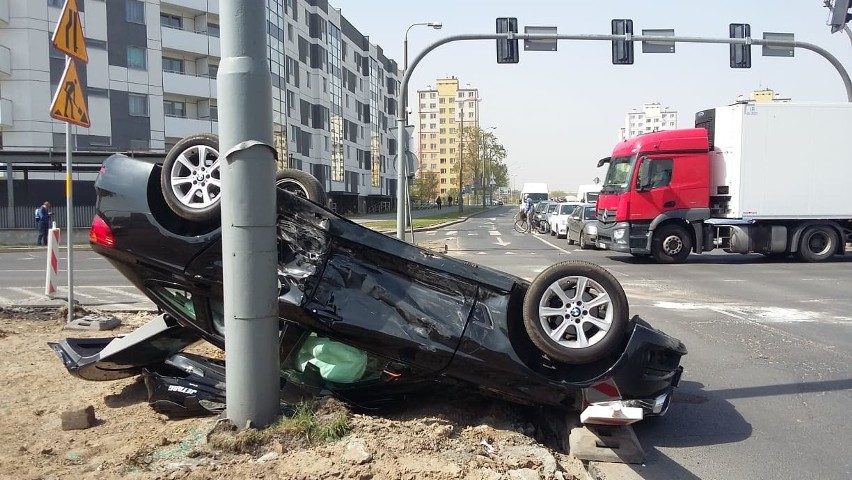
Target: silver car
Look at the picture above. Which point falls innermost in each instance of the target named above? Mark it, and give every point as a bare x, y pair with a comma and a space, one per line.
583, 226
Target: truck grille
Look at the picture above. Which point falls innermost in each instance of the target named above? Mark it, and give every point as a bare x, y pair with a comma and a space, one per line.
606, 216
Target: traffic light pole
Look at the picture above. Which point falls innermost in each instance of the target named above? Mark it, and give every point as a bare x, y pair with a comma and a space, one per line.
403, 90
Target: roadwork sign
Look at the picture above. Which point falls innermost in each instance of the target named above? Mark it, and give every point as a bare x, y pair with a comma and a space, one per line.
69, 102
68, 36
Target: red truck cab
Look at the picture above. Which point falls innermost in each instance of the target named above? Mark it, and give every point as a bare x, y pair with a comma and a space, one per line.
657, 182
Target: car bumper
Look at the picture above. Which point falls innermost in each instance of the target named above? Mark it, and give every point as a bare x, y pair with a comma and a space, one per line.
623, 237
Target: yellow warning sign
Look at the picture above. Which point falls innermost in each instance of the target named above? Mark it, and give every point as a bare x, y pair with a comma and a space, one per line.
68, 36
69, 102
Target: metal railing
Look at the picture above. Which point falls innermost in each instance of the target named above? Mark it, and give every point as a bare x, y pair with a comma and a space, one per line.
25, 216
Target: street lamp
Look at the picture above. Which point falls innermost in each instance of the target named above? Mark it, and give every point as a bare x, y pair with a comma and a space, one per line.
481, 153
401, 145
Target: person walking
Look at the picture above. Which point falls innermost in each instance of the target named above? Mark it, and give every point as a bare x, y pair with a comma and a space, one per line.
449, 199
438, 201
42, 218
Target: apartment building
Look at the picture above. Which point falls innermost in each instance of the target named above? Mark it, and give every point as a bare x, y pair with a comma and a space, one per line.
652, 118
151, 79
442, 113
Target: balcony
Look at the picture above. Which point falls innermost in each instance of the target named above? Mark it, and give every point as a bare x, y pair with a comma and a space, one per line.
5, 113
206, 6
5, 62
186, 41
189, 85
183, 127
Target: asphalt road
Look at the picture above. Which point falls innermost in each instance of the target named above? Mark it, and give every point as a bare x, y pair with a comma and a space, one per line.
767, 385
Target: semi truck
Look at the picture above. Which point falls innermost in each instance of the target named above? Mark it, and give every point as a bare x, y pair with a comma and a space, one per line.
768, 178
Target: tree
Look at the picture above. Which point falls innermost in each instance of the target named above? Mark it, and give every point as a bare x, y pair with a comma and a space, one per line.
480, 151
425, 187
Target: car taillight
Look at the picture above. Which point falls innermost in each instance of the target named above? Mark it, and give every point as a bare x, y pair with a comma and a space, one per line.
100, 233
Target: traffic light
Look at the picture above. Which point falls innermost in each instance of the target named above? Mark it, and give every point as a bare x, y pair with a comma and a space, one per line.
622, 50
507, 50
740, 53
839, 15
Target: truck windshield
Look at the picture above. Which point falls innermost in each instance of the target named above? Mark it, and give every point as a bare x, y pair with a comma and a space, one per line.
618, 174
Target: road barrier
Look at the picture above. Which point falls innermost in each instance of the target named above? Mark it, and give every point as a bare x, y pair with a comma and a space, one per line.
52, 261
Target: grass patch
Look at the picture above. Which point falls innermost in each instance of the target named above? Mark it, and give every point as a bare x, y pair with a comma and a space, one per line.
433, 219
311, 422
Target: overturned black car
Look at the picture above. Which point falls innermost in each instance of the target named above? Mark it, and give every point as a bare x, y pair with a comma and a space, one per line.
363, 316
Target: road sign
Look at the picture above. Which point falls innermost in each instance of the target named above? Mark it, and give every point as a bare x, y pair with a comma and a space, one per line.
68, 36
777, 50
69, 102
546, 45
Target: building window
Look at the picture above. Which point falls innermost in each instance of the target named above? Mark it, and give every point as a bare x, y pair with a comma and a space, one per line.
135, 11
174, 109
171, 21
212, 71
54, 3
138, 104
172, 65
136, 58
290, 33
213, 30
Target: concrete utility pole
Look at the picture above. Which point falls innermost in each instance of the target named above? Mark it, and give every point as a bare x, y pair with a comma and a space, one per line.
461, 160
249, 253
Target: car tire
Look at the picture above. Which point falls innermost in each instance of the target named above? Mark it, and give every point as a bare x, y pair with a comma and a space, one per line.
576, 312
582, 242
301, 184
671, 244
570, 240
190, 178
817, 243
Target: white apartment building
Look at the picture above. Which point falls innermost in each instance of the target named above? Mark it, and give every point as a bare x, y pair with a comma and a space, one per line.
151, 79
652, 118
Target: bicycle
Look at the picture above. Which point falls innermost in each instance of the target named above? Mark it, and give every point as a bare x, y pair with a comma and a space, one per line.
521, 225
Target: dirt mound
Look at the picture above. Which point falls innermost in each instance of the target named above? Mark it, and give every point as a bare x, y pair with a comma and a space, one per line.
447, 435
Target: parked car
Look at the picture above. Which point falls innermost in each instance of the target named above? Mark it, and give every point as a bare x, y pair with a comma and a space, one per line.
559, 219
393, 318
583, 226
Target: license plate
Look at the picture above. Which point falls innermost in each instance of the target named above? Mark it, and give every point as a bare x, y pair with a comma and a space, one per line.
602, 245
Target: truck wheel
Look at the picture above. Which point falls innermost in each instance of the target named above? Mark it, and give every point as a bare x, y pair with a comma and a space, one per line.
818, 243
576, 312
301, 184
671, 244
190, 178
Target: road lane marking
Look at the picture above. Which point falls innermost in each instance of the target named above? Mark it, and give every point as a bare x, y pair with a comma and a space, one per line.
39, 296
494, 233
137, 296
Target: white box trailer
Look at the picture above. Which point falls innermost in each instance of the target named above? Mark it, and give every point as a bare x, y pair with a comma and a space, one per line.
782, 161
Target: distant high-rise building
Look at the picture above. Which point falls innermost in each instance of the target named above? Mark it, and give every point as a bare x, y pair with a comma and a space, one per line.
766, 95
652, 118
443, 112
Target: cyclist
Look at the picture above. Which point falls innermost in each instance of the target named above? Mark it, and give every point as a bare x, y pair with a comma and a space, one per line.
530, 209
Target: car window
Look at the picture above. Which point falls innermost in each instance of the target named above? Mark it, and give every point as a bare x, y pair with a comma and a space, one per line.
178, 298
590, 213
320, 361
552, 207
566, 209
217, 314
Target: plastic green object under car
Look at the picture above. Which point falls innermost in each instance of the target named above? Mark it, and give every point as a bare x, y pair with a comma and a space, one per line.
337, 362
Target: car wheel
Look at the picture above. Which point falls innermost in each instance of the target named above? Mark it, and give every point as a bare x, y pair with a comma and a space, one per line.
301, 184
570, 240
818, 243
671, 244
582, 242
576, 312
190, 178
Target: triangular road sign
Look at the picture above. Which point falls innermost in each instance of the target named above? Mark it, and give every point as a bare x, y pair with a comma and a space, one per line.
68, 36
69, 103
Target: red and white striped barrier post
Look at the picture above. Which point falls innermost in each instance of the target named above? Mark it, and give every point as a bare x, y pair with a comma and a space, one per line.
52, 261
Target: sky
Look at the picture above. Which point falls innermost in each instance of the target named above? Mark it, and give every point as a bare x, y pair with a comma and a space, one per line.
558, 113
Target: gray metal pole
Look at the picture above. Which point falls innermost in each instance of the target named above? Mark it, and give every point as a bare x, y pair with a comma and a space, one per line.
249, 252
10, 194
69, 220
